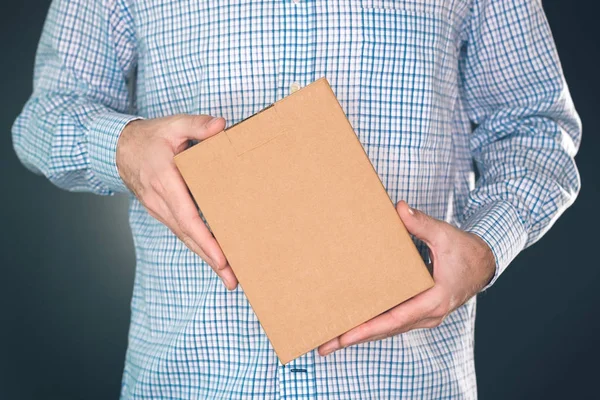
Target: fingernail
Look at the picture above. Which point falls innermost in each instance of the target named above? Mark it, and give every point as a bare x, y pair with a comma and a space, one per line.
329, 350
411, 211
231, 285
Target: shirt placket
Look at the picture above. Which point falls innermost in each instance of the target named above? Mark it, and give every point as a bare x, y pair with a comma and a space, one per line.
298, 47
297, 69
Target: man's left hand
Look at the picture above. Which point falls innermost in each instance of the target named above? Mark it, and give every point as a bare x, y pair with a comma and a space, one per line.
463, 264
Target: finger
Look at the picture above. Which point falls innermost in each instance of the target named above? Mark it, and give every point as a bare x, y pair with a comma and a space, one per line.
334, 344
188, 220
424, 227
163, 214
329, 347
423, 323
201, 127
377, 328
156, 207
181, 205
226, 274
159, 210
399, 319
428, 323
382, 325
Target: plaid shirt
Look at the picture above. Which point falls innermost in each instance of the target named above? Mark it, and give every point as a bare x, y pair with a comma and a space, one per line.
435, 89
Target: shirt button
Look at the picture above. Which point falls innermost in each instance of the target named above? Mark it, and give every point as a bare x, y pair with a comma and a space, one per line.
295, 1
294, 87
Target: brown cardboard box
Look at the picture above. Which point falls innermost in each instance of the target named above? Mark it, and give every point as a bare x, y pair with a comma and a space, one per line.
304, 220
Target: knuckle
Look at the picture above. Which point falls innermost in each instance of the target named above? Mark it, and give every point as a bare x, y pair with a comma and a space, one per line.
181, 120
192, 219
442, 309
143, 181
187, 241
155, 184
396, 316
141, 192
434, 323
185, 227
153, 213
152, 185
196, 121
150, 201
150, 204
439, 306
186, 222
363, 330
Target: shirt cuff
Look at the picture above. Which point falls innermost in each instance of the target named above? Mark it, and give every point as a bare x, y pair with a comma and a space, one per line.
499, 225
102, 139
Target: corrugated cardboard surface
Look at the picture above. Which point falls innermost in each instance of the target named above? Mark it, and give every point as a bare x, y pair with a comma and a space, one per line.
304, 220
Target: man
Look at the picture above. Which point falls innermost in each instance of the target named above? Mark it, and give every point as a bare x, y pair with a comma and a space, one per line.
435, 89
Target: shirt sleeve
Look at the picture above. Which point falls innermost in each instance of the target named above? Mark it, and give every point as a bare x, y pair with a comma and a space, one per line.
68, 129
527, 131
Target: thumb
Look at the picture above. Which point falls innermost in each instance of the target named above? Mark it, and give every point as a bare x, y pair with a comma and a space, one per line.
423, 226
202, 127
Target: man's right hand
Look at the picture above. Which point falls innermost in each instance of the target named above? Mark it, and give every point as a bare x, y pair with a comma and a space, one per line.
145, 152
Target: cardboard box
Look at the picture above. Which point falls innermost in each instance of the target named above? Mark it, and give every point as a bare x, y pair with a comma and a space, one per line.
305, 222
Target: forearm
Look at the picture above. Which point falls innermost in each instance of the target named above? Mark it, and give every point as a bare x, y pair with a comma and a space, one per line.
69, 128
71, 141
527, 130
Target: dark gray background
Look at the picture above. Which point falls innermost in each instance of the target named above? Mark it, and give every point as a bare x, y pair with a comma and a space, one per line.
67, 259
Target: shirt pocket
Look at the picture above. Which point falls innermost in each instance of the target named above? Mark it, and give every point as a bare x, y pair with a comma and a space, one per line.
402, 57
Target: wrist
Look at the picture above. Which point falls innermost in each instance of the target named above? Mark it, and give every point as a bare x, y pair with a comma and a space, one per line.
102, 137
128, 132
499, 225
484, 259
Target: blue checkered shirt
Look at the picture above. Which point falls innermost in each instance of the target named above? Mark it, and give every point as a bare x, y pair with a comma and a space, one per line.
460, 104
